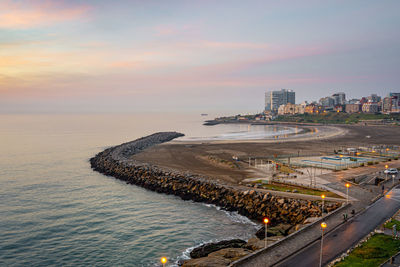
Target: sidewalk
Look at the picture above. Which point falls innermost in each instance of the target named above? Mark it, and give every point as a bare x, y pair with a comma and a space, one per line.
283, 249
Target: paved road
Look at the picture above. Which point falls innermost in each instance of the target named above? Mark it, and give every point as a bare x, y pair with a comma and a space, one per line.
339, 240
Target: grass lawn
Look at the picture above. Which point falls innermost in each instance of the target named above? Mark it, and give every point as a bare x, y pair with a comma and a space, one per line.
375, 251
390, 224
300, 190
334, 117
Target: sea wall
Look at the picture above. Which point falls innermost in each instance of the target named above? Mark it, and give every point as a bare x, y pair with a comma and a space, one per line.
116, 162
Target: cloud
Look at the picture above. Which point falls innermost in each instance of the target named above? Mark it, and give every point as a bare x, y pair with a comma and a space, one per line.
233, 45
31, 14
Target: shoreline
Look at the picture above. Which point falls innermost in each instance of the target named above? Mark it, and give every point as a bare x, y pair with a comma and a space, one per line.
318, 132
117, 162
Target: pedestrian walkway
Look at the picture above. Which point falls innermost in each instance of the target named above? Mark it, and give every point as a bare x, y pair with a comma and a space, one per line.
284, 249
345, 236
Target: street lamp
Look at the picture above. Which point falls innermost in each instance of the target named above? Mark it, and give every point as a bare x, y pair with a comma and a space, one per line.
323, 226
323, 204
386, 167
347, 192
266, 221
164, 261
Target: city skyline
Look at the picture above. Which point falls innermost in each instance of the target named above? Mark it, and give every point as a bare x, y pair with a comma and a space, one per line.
74, 56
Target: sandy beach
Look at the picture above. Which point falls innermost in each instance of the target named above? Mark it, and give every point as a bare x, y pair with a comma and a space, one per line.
204, 157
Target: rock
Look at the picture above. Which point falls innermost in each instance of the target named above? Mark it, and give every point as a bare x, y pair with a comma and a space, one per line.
207, 262
311, 220
222, 257
260, 234
284, 228
230, 253
255, 244
117, 161
206, 249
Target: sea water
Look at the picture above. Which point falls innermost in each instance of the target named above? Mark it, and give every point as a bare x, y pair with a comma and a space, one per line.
56, 211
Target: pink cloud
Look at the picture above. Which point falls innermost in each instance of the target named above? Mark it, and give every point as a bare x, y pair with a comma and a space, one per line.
38, 13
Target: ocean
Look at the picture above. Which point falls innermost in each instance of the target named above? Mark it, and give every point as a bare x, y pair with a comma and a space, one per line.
56, 211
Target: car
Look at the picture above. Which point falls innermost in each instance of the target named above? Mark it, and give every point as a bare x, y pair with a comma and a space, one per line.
391, 171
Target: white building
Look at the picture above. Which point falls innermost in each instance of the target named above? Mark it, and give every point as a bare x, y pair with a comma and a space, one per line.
274, 99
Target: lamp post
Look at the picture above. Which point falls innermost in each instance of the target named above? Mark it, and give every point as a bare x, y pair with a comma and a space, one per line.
164, 261
347, 192
323, 226
266, 221
393, 175
386, 167
323, 204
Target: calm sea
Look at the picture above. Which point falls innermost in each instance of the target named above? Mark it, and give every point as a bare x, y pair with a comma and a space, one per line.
55, 211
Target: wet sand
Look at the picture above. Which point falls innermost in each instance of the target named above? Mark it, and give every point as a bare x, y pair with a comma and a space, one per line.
214, 159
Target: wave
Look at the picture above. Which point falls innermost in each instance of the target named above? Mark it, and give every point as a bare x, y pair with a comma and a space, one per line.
234, 217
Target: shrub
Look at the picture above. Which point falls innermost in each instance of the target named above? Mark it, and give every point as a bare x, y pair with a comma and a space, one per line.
370, 163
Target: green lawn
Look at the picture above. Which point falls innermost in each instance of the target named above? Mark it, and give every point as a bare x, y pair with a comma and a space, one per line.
333, 117
300, 190
372, 253
390, 224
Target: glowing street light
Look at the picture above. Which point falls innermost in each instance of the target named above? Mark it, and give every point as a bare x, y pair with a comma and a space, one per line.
347, 192
323, 226
323, 204
164, 261
266, 221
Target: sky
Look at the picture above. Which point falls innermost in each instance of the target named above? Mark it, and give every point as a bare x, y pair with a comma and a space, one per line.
204, 55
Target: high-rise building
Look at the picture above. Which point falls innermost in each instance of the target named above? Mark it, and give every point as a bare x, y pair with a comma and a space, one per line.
395, 102
340, 98
273, 99
327, 102
333, 101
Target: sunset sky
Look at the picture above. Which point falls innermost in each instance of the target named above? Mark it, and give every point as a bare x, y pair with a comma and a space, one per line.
89, 56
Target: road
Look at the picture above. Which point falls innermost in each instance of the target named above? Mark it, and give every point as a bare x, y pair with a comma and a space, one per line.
345, 236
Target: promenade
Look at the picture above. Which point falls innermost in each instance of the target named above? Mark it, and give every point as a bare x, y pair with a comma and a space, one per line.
348, 234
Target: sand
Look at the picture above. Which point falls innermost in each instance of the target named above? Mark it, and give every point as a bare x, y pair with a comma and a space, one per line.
214, 159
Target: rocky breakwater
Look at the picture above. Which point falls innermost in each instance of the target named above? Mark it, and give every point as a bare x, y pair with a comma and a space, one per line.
116, 161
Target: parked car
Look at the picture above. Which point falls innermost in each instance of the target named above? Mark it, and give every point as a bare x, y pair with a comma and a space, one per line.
391, 171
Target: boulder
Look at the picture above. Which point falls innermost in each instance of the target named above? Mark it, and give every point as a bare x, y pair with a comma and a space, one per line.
222, 257
255, 244
230, 253
272, 231
207, 262
206, 249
